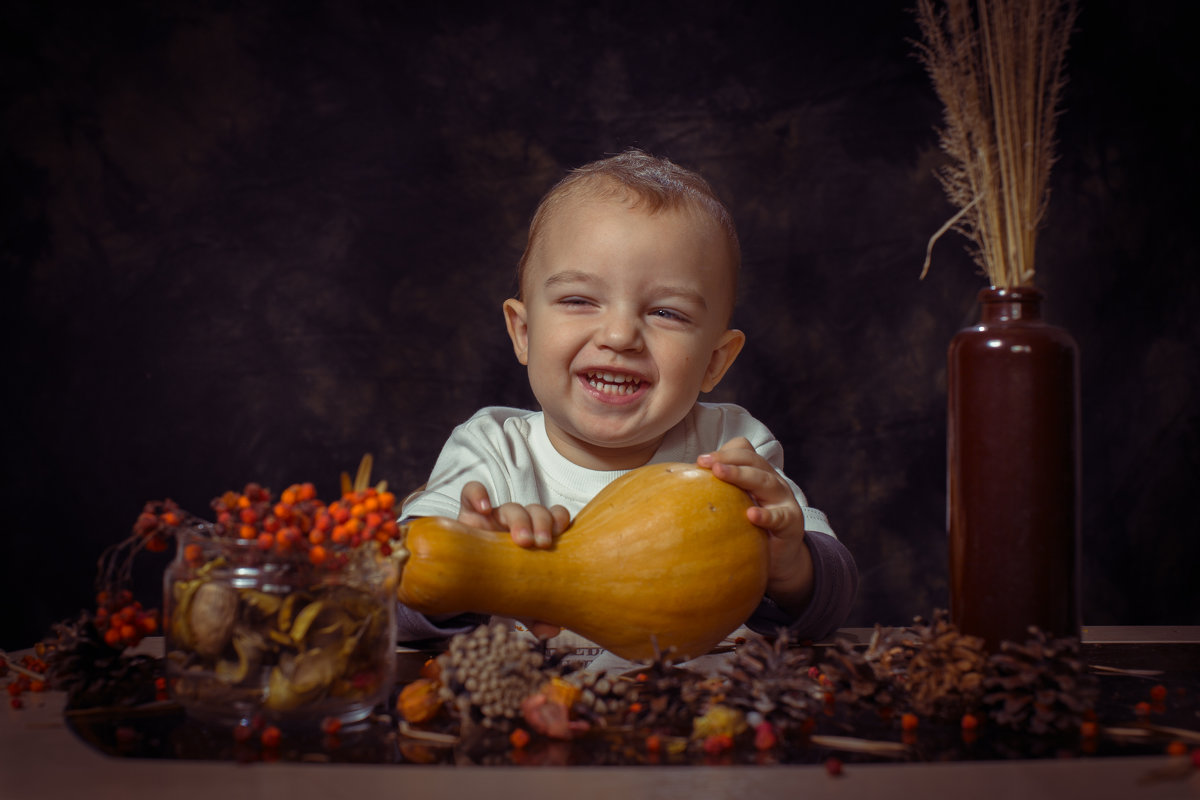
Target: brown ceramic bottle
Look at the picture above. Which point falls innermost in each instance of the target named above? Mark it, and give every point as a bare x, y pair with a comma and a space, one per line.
1013, 472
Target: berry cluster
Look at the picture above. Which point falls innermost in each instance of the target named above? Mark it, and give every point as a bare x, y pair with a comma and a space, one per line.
121, 620
298, 522
156, 523
28, 676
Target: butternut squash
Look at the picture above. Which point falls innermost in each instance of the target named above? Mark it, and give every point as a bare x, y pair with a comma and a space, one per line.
664, 554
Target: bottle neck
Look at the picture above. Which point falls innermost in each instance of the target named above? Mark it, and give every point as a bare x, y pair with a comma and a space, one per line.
1008, 305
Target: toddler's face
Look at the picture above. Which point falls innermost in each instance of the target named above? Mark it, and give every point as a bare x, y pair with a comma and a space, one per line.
622, 324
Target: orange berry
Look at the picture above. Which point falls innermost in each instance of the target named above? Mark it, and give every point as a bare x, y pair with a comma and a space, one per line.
340, 535
193, 554
148, 623
519, 738
170, 518
970, 722
340, 513
1158, 693
248, 516
358, 511
1177, 748
243, 501
909, 721
266, 541
317, 554
112, 637
316, 536
271, 736
306, 491
247, 532
324, 521
386, 500
371, 504
284, 512
1088, 729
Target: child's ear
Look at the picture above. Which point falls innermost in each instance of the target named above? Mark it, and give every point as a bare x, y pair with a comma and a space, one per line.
723, 355
518, 328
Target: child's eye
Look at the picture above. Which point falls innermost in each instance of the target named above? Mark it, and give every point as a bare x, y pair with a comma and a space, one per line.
573, 301
667, 313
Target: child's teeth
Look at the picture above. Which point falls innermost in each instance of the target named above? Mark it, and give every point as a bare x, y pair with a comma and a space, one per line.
613, 384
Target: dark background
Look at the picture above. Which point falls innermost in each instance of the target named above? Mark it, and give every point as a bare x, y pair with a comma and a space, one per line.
254, 241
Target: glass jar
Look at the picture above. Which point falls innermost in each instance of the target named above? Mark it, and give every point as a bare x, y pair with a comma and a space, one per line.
251, 632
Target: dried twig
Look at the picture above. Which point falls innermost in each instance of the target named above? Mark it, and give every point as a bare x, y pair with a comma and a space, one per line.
998, 69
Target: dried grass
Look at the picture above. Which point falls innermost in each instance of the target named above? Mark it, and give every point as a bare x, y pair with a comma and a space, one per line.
998, 68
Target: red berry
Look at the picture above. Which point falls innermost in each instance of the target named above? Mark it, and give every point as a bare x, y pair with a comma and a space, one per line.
271, 736
833, 766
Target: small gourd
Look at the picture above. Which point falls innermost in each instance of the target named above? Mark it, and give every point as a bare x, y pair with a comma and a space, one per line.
664, 555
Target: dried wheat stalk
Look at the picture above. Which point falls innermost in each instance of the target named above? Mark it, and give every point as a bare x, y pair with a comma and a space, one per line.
998, 68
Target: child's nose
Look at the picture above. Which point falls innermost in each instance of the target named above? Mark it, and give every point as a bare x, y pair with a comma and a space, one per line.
620, 332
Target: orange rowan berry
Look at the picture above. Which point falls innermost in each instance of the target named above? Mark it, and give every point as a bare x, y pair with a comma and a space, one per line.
340, 535
284, 512
909, 721
358, 511
265, 541
316, 536
519, 738
243, 501
193, 554
170, 518
371, 504
1177, 748
317, 554
386, 500
271, 736
306, 491
247, 532
1158, 693
112, 637
289, 495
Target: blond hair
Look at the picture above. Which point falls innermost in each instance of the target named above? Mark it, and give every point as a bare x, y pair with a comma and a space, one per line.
644, 181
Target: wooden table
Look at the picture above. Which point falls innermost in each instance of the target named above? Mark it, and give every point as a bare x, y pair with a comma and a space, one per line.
40, 757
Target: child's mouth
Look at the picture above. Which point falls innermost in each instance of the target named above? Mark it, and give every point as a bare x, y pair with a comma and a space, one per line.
613, 383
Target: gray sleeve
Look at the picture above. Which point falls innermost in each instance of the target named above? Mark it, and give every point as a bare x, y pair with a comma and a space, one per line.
835, 584
413, 626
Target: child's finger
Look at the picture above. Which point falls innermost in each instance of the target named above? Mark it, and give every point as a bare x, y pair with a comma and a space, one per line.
514, 517
475, 497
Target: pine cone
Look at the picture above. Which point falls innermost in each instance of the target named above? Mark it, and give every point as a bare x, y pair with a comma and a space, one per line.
772, 679
602, 697
665, 698
946, 674
94, 673
487, 673
1039, 686
854, 677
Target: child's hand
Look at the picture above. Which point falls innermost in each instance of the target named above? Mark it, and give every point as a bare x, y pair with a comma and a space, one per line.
789, 581
530, 526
